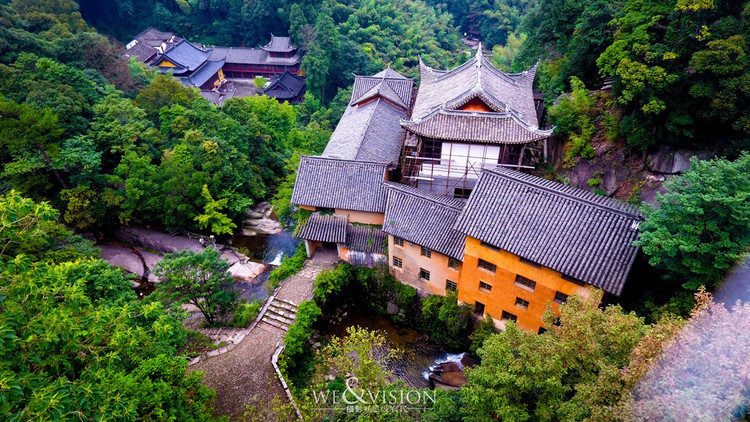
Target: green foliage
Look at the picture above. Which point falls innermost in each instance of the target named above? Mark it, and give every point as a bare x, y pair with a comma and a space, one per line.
219, 223
332, 287
361, 354
259, 83
290, 266
199, 278
246, 313
482, 331
700, 229
573, 117
447, 322
297, 352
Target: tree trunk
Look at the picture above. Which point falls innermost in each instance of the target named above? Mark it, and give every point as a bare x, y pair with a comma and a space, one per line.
49, 163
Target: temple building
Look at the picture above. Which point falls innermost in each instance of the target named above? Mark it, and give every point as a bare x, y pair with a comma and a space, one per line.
212, 68
467, 119
438, 186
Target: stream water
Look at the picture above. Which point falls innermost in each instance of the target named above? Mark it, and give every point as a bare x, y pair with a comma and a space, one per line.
266, 248
417, 355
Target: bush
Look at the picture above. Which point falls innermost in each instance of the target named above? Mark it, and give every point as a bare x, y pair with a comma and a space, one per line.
330, 284
482, 330
446, 321
289, 267
246, 312
295, 360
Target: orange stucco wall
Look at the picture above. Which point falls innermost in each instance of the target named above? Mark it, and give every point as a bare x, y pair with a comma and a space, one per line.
362, 217
475, 105
502, 296
411, 256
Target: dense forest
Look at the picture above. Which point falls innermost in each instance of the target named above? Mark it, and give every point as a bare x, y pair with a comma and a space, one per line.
91, 142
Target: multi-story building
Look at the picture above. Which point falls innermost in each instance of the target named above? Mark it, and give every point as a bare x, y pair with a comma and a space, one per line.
465, 220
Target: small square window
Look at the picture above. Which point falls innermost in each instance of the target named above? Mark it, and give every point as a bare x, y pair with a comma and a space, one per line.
397, 262
450, 285
426, 252
487, 266
560, 297
531, 263
479, 308
525, 283
424, 274
484, 286
523, 304
542, 330
398, 241
507, 316
453, 263
461, 193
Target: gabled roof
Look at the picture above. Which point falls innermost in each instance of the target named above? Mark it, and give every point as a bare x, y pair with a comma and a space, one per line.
286, 86
203, 74
387, 83
340, 184
279, 45
424, 218
186, 56
368, 132
459, 125
324, 228
580, 234
476, 79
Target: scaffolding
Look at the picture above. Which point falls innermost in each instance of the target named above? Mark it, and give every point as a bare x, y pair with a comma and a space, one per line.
452, 168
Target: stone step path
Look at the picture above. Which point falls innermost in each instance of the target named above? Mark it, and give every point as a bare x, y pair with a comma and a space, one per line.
226, 335
280, 314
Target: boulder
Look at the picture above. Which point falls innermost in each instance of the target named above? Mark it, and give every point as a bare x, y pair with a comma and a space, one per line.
447, 367
392, 308
667, 161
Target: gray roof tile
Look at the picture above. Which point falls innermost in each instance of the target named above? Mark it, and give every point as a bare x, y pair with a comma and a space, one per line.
424, 218
186, 55
279, 45
477, 78
324, 228
340, 184
578, 233
366, 239
457, 125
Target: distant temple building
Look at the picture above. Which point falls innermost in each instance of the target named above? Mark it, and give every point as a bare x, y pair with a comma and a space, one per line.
210, 68
464, 217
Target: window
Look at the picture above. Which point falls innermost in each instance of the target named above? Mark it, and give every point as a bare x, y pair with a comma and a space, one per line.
398, 241
525, 283
484, 286
479, 308
560, 297
573, 280
488, 246
507, 316
523, 304
531, 263
450, 285
397, 262
453, 263
461, 193
426, 252
487, 266
424, 274
541, 330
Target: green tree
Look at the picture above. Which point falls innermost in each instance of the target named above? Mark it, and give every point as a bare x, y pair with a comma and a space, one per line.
702, 225
199, 278
212, 216
447, 322
526, 376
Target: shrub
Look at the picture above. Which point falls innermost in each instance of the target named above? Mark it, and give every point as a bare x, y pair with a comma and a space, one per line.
296, 358
246, 312
482, 330
330, 284
446, 321
289, 267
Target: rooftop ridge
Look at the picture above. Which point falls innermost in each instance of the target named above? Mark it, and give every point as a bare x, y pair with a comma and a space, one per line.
321, 158
428, 196
557, 188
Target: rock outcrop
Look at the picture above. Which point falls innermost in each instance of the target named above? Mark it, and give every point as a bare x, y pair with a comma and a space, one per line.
260, 220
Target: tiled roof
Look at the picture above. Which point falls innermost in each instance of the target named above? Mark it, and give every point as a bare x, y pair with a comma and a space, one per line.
578, 233
424, 218
396, 89
187, 56
279, 45
324, 228
244, 55
286, 86
368, 132
366, 239
340, 184
204, 73
457, 125
142, 51
477, 78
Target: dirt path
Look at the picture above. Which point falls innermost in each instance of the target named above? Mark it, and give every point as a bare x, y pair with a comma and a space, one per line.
244, 375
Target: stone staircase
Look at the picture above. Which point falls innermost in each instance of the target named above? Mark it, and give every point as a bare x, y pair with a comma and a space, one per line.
227, 335
280, 314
